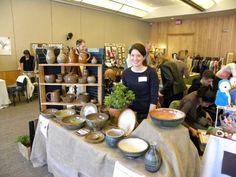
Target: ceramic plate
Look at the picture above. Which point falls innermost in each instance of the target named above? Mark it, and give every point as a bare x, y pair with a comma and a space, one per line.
49, 113
88, 108
127, 121
94, 137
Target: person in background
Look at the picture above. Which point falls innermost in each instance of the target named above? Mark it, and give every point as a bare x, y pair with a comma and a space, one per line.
143, 81
172, 81
27, 64
196, 118
80, 46
182, 67
225, 72
206, 79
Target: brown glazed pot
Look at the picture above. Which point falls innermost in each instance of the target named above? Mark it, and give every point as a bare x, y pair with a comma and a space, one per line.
114, 115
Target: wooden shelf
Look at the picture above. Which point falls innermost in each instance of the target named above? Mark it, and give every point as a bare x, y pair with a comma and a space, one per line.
63, 66
64, 104
70, 84
71, 64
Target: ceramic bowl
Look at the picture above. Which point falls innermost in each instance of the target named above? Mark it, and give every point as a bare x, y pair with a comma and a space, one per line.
73, 122
84, 97
133, 147
68, 98
49, 113
167, 117
50, 78
96, 121
113, 136
64, 113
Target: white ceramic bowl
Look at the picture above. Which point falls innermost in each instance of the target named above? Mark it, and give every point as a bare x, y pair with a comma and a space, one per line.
133, 147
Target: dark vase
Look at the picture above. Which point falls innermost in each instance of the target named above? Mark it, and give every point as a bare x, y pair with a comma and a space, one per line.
152, 159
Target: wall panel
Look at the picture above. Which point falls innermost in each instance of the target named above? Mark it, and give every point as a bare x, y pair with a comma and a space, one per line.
213, 36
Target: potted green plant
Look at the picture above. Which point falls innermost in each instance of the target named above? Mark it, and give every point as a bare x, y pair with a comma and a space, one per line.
24, 145
120, 98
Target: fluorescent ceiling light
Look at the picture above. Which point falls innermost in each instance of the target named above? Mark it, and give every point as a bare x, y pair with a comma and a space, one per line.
133, 11
104, 3
136, 4
206, 4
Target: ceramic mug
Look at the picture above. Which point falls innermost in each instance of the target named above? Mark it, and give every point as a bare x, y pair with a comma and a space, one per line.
53, 96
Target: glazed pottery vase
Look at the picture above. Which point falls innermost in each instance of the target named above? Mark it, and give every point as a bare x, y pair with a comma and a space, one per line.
73, 58
84, 57
61, 58
50, 55
94, 60
114, 115
152, 159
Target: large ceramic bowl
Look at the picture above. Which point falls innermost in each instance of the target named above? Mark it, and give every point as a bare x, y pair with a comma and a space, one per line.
48, 113
64, 113
113, 136
73, 122
96, 121
167, 117
133, 147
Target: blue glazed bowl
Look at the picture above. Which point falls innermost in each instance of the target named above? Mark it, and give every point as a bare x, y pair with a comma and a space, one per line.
113, 136
167, 117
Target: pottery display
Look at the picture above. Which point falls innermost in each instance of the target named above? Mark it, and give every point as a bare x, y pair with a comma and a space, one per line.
71, 78
83, 80
53, 96
113, 136
94, 60
68, 98
91, 79
167, 117
96, 121
133, 147
50, 78
84, 97
73, 58
62, 57
50, 55
84, 57
152, 159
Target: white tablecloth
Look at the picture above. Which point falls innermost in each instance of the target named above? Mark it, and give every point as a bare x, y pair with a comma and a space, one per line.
213, 156
68, 155
4, 98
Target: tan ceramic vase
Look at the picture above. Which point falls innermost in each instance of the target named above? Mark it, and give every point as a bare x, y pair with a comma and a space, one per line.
50, 55
61, 58
73, 58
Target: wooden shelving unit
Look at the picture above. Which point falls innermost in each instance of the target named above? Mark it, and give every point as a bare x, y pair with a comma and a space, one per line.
42, 85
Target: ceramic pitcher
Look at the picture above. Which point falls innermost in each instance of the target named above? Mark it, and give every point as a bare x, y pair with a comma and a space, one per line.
84, 57
61, 58
53, 96
50, 55
73, 58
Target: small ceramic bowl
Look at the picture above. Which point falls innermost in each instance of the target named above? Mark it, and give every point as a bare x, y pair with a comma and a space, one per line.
113, 136
51, 78
96, 121
73, 122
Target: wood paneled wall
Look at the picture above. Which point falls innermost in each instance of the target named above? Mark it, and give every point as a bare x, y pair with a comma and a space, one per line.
212, 36
9, 76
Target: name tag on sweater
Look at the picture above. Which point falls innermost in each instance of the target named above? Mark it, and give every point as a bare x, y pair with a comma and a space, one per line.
142, 79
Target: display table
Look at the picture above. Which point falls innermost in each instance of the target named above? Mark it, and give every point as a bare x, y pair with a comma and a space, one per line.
219, 158
4, 98
67, 154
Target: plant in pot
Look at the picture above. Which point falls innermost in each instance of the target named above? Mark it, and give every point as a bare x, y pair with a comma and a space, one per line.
120, 98
24, 145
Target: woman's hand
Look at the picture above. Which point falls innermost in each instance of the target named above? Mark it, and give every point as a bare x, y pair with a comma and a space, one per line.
193, 132
209, 119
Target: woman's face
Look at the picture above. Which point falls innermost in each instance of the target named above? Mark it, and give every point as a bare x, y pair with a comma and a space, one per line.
82, 47
136, 58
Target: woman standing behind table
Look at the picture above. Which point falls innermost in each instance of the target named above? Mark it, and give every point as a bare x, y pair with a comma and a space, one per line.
143, 81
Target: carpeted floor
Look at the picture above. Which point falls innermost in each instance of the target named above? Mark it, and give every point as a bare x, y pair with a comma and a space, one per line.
14, 122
